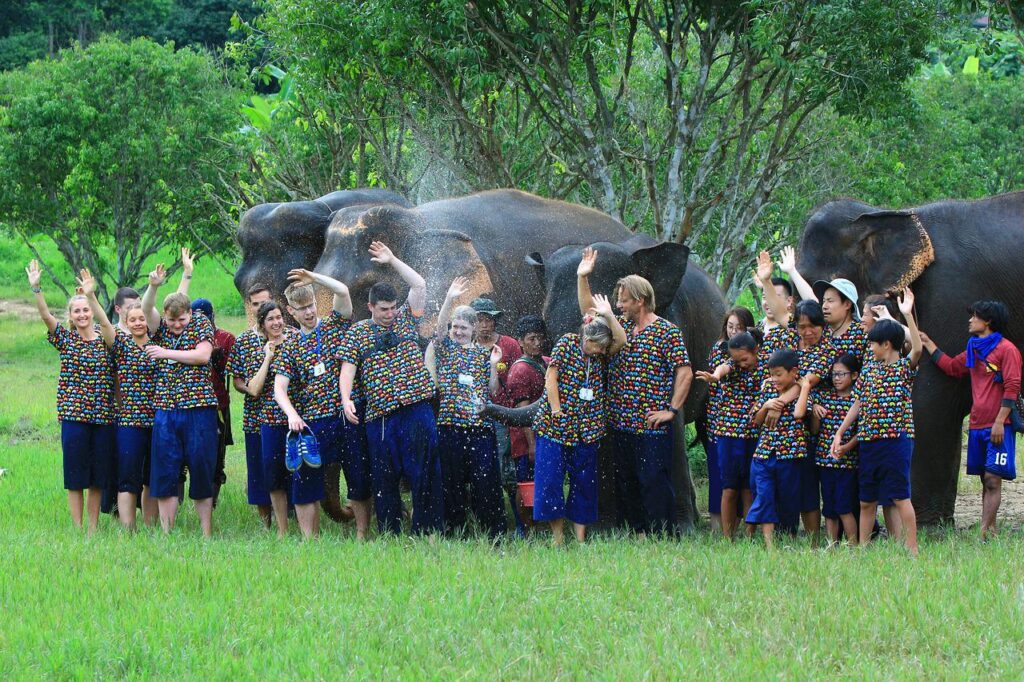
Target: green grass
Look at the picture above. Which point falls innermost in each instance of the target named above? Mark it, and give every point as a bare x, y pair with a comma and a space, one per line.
245, 605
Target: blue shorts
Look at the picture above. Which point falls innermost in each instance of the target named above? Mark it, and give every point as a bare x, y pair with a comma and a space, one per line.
134, 444
984, 457
714, 477
552, 463
355, 456
839, 492
89, 454
884, 469
255, 489
524, 469
306, 486
734, 457
810, 501
776, 491
184, 438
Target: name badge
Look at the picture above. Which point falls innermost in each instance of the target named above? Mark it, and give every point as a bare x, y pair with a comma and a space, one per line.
319, 369
170, 362
465, 380
587, 394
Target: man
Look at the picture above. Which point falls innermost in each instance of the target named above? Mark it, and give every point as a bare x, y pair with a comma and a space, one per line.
649, 380
308, 364
223, 341
994, 365
401, 433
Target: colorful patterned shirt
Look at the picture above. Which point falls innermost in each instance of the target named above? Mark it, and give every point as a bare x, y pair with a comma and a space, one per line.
267, 409
886, 408
462, 377
788, 440
815, 360
313, 366
136, 382
389, 363
737, 395
716, 356
642, 374
854, 340
180, 386
85, 388
837, 406
581, 421
244, 361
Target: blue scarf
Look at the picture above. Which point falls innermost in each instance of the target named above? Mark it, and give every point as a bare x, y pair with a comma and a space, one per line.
980, 347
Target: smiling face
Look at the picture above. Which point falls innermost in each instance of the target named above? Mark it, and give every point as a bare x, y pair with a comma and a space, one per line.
734, 326
836, 309
842, 378
783, 378
461, 331
135, 321
743, 358
304, 312
80, 313
784, 295
273, 325
631, 308
176, 322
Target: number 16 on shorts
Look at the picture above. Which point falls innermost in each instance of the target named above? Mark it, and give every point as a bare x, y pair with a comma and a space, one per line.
1001, 459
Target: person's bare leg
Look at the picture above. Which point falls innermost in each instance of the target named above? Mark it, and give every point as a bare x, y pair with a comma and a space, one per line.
279, 503
893, 524
558, 532
849, 522
909, 518
306, 515
730, 496
92, 508
832, 529
265, 512
168, 507
581, 531
715, 522
76, 505
812, 524
126, 510
747, 498
150, 511
204, 508
768, 531
868, 512
362, 512
991, 498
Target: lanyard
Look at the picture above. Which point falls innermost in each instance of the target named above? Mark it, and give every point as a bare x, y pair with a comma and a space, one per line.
316, 331
586, 381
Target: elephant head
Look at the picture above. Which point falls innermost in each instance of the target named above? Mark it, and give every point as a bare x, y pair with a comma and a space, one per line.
879, 250
661, 263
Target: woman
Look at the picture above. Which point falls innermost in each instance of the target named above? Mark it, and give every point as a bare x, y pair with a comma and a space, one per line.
85, 401
571, 422
136, 385
467, 377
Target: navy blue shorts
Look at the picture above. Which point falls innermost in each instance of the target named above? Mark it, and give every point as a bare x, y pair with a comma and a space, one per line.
552, 463
355, 457
810, 500
524, 469
134, 444
255, 489
776, 491
89, 454
984, 457
272, 444
184, 438
884, 469
839, 492
714, 477
734, 457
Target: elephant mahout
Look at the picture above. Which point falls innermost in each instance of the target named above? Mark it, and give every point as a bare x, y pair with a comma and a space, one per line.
951, 253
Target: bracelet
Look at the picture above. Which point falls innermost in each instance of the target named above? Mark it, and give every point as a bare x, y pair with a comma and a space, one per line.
37, 290
673, 410
186, 276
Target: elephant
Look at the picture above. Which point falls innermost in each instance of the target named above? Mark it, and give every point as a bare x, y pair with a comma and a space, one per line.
950, 253
684, 294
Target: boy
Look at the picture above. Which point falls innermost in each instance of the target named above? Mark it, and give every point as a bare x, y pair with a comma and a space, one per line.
885, 430
994, 365
775, 469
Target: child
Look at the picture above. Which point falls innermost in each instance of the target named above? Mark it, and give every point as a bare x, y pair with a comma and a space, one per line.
571, 422
994, 365
882, 402
838, 472
775, 470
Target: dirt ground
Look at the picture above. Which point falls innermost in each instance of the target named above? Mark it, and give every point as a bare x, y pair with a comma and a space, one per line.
19, 308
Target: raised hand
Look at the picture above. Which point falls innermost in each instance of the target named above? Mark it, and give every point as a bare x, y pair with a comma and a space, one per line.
86, 282
586, 266
380, 253
459, 286
187, 261
158, 276
300, 276
757, 282
764, 267
881, 312
35, 275
602, 307
787, 262
496, 354
906, 302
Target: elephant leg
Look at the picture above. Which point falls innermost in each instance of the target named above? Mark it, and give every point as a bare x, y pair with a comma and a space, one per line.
682, 479
940, 406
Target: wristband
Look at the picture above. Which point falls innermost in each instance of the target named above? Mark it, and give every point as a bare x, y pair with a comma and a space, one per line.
673, 410
37, 290
186, 276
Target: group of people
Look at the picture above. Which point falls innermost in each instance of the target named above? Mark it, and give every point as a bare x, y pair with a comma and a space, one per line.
809, 413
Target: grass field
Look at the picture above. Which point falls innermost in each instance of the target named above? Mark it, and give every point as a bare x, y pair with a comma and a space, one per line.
245, 605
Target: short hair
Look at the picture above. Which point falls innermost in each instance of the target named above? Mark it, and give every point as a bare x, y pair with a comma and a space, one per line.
850, 362
257, 288
887, 330
597, 331
811, 310
784, 283
130, 306
748, 340
993, 312
639, 289
177, 304
787, 359
883, 300
384, 291
265, 309
746, 318
530, 324
299, 294
123, 294
465, 313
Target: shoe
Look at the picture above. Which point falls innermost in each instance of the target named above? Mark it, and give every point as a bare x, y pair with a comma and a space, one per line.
292, 456
309, 447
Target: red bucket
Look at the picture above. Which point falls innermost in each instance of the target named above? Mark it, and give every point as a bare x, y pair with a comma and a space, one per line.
526, 493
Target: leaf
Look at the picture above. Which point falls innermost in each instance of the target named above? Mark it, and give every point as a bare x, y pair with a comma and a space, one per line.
971, 66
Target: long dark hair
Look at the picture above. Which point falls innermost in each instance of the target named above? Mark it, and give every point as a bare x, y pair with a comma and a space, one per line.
265, 309
743, 314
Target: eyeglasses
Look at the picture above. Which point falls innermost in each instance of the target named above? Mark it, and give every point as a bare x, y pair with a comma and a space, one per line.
841, 374
311, 306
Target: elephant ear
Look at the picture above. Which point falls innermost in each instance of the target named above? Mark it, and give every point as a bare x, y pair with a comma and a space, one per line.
664, 266
390, 224
893, 249
442, 255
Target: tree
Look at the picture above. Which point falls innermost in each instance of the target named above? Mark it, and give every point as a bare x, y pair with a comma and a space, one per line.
112, 152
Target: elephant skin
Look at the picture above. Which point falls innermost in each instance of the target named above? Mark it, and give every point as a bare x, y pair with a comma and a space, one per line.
951, 253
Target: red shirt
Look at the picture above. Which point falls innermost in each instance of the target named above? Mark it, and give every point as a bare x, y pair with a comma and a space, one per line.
510, 352
524, 383
223, 341
986, 392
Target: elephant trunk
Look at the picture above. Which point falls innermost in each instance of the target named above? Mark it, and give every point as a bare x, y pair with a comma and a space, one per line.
513, 416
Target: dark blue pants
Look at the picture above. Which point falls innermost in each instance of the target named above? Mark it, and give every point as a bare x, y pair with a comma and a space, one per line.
355, 456
404, 443
469, 459
89, 455
643, 481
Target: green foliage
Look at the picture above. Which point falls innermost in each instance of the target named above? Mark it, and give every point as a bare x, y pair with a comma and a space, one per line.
116, 146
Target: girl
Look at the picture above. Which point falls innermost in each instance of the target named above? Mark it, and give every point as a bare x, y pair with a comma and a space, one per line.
466, 375
136, 384
571, 421
85, 401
